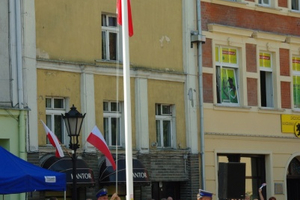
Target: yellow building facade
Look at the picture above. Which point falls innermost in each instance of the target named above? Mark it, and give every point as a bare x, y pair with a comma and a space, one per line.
79, 62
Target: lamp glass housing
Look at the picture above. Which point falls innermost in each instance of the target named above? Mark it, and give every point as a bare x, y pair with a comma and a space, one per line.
73, 121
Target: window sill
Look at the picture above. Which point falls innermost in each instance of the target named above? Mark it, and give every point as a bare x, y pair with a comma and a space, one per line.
230, 107
269, 9
296, 110
294, 13
269, 109
108, 61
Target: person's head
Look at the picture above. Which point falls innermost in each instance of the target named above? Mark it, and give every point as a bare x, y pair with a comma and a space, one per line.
102, 194
206, 198
272, 198
169, 198
205, 195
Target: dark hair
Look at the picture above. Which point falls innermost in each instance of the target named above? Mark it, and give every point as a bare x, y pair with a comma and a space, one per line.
272, 198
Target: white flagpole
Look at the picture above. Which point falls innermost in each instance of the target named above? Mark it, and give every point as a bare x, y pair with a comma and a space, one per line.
127, 101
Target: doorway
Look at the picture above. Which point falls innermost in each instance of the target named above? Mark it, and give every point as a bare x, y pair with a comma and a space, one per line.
293, 179
162, 190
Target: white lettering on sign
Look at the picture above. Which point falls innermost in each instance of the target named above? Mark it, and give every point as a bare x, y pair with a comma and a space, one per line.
50, 179
139, 175
83, 176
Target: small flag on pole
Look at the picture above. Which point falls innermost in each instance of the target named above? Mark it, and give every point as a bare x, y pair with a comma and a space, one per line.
96, 138
263, 185
54, 141
119, 12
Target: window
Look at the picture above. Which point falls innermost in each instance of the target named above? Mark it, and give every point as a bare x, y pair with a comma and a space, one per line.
255, 173
296, 81
164, 125
110, 37
226, 75
54, 108
295, 5
266, 79
264, 2
113, 123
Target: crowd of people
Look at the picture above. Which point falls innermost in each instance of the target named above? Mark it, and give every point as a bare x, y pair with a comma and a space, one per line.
102, 194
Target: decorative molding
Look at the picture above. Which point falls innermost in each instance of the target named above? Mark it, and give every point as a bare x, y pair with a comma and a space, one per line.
109, 70
217, 28
269, 36
292, 40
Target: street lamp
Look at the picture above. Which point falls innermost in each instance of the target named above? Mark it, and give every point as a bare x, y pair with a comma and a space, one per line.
73, 121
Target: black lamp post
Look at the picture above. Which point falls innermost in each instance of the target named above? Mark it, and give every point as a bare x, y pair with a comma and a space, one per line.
73, 121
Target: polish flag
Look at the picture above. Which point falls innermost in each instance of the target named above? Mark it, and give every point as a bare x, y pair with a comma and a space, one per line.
119, 12
95, 138
54, 141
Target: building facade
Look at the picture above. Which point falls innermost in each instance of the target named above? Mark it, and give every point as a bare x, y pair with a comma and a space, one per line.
250, 86
79, 62
18, 65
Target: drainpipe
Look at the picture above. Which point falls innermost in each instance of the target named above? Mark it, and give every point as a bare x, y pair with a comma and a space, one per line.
197, 37
17, 65
19, 53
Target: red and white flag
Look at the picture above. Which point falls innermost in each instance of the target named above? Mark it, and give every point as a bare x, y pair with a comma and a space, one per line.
119, 12
54, 141
96, 138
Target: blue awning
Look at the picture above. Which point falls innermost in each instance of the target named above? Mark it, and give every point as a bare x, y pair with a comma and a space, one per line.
18, 176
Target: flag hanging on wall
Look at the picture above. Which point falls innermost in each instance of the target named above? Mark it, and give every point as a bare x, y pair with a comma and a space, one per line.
96, 138
119, 12
54, 141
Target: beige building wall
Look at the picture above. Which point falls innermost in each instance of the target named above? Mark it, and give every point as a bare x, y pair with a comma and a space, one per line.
69, 51
70, 65
53, 83
77, 32
249, 129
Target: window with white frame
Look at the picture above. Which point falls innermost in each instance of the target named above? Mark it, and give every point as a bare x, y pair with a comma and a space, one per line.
266, 79
227, 75
295, 5
264, 3
165, 130
110, 37
296, 81
55, 107
113, 123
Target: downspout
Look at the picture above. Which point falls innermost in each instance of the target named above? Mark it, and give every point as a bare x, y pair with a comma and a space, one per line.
19, 53
200, 82
12, 52
16, 62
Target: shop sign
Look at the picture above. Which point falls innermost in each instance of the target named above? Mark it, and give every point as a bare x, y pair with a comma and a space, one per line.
290, 124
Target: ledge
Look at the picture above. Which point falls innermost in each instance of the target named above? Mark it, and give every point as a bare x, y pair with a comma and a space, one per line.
218, 28
231, 107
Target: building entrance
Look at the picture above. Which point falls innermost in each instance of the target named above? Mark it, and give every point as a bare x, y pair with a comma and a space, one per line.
162, 190
293, 179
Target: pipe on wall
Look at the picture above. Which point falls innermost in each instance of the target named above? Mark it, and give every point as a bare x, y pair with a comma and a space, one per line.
19, 53
200, 85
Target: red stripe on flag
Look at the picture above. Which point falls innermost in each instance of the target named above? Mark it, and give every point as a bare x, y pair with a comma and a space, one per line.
119, 18
100, 144
54, 141
53, 144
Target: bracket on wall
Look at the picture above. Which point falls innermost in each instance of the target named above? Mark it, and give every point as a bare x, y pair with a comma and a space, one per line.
196, 37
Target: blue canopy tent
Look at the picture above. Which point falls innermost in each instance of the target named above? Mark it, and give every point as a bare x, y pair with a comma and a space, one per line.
18, 176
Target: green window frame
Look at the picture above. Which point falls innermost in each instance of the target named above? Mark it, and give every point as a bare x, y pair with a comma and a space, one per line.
296, 81
227, 75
